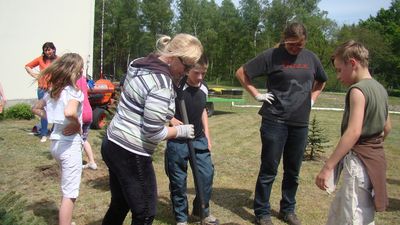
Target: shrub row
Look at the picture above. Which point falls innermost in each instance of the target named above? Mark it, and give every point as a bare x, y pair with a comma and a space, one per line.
21, 111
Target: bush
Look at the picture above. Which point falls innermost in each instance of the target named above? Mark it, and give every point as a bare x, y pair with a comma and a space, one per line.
12, 211
21, 111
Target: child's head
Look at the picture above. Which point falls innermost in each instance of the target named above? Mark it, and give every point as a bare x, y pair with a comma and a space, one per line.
63, 72
351, 50
198, 72
349, 58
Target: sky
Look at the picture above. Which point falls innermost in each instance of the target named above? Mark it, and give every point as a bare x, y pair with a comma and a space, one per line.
347, 11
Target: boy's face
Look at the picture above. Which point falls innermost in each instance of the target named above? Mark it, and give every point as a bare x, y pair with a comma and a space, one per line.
344, 71
196, 75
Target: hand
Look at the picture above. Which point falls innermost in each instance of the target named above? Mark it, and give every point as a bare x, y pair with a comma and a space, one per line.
72, 128
185, 131
312, 103
175, 122
267, 97
322, 178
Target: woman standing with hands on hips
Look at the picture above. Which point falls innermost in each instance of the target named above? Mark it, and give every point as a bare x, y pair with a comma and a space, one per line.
295, 78
146, 105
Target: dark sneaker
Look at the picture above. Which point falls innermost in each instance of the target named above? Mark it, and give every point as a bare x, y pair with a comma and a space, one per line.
265, 220
290, 218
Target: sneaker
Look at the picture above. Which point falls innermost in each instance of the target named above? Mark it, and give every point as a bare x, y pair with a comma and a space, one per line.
43, 139
182, 223
265, 220
290, 218
92, 166
211, 220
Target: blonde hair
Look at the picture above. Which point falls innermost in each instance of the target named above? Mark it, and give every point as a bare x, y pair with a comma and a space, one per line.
64, 71
185, 46
352, 49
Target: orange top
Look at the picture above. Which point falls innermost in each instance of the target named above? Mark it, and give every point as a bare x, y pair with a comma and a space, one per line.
42, 82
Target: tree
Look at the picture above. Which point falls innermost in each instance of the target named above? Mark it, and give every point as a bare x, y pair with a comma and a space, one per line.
317, 141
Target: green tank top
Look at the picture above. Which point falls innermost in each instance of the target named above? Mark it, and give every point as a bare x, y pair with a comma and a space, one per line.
376, 107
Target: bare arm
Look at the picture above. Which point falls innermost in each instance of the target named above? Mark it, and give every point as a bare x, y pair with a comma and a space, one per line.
348, 139
204, 120
71, 113
387, 128
245, 82
38, 108
317, 89
31, 72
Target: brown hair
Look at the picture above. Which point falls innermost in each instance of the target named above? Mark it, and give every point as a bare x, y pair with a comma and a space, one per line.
351, 49
64, 71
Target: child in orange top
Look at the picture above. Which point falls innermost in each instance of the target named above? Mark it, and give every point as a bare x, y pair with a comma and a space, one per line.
43, 61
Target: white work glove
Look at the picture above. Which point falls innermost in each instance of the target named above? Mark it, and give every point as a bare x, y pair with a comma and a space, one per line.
312, 103
185, 131
267, 97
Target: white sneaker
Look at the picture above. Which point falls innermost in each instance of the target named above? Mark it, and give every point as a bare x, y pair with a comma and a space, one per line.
43, 139
92, 166
211, 220
181, 223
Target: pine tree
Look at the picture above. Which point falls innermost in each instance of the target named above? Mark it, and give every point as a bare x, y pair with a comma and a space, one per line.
317, 141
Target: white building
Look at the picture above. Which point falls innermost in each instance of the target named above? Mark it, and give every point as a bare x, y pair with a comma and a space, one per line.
26, 24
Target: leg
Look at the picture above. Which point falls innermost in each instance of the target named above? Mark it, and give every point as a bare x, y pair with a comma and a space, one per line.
43, 122
206, 172
177, 156
135, 177
87, 147
65, 213
353, 203
292, 159
69, 155
273, 138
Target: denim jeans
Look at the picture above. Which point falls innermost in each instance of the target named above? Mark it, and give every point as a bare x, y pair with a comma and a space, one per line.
279, 139
176, 165
43, 121
132, 183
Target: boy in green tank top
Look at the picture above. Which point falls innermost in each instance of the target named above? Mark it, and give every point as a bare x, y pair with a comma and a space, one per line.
360, 152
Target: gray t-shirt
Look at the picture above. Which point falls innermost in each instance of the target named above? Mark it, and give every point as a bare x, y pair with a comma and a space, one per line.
290, 78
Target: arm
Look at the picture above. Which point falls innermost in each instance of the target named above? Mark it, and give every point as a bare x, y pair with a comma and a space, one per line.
3, 97
204, 120
387, 128
71, 113
245, 82
38, 108
316, 91
31, 72
348, 139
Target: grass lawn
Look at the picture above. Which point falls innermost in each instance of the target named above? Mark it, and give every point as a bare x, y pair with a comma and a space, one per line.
27, 167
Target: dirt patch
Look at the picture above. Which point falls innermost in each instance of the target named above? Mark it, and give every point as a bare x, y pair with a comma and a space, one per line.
48, 171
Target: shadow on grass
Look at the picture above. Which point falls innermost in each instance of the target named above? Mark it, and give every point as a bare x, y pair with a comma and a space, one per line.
394, 205
98, 222
48, 210
101, 183
237, 201
393, 181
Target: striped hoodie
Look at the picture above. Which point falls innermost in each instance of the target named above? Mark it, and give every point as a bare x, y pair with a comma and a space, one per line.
147, 103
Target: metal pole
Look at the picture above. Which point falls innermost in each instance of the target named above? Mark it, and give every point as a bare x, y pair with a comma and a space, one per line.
101, 44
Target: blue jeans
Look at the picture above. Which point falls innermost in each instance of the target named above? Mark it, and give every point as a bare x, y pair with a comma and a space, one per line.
176, 165
43, 121
279, 139
132, 183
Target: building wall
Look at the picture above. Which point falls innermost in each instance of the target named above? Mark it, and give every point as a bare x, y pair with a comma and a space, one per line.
26, 24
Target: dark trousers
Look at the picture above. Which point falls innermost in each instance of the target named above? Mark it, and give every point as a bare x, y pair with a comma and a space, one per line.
132, 184
176, 166
279, 139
